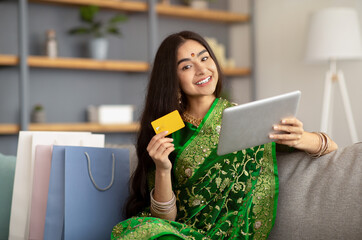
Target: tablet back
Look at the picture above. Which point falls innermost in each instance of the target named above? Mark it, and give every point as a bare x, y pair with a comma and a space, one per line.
250, 124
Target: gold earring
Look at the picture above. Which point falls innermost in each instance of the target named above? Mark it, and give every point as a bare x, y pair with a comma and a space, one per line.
179, 97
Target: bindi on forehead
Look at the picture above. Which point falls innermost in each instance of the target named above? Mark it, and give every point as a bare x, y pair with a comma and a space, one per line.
192, 55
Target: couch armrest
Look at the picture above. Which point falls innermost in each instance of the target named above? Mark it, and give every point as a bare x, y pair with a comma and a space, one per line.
320, 198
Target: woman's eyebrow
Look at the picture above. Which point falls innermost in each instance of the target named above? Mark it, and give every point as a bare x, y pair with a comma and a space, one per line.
188, 59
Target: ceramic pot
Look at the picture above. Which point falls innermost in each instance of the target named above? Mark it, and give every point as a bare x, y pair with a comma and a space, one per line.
98, 48
38, 117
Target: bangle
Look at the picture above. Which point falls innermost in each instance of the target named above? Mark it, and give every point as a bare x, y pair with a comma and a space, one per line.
162, 208
327, 143
324, 139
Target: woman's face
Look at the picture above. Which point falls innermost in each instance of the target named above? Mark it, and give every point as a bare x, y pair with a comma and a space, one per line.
196, 70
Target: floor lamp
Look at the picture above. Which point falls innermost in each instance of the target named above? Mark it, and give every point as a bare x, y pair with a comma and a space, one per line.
334, 35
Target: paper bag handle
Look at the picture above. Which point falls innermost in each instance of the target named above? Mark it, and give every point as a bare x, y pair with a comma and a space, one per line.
91, 176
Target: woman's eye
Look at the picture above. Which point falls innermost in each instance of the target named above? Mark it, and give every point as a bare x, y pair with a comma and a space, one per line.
204, 58
186, 67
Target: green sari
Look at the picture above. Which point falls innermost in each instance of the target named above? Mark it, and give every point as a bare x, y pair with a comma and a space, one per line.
233, 196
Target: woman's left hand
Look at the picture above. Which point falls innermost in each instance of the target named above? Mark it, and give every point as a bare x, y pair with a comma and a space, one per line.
291, 132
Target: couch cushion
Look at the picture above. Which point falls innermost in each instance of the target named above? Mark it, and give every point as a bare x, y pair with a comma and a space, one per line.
320, 198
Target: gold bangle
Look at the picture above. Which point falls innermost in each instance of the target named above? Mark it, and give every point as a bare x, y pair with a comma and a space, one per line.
326, 138
322, 147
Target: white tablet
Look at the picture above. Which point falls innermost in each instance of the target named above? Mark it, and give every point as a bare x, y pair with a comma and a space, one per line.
250, 124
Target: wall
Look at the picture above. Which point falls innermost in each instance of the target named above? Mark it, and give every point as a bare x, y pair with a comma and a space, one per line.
281, 32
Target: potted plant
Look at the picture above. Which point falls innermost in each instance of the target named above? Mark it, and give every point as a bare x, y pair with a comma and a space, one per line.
98, 45
38, 114
198, 4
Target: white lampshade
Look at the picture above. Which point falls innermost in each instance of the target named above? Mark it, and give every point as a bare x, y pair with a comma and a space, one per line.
334, 33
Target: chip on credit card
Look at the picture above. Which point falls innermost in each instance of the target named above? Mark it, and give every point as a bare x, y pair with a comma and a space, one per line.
170, 122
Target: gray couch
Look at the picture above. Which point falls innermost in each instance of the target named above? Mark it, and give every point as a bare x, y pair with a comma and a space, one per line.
320, 198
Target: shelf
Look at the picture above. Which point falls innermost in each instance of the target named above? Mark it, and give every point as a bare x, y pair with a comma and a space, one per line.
207, 14
162, 9
236, 72
9, 129
8, 60
128, 6
89, 64
77, 63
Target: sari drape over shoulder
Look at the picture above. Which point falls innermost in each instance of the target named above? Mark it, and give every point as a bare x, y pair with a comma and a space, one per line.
233, 196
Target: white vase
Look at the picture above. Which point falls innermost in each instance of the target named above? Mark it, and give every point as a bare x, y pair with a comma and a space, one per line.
98, 48
38, 117
199, 4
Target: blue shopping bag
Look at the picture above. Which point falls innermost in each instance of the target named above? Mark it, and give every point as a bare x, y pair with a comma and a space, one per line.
94, 190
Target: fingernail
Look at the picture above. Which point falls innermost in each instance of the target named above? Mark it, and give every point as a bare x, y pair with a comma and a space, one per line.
284, 121
271, 136
275, 127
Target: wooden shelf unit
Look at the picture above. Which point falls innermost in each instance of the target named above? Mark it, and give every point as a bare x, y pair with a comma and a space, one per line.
11, 129
114, 65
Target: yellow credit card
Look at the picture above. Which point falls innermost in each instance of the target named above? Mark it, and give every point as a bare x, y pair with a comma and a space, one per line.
170, 122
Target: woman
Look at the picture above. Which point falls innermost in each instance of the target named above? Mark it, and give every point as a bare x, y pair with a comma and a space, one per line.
181, 189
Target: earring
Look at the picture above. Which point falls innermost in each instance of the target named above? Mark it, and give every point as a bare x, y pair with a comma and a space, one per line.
179, 97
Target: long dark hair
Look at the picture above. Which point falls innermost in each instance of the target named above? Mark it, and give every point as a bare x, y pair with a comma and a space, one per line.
162, 98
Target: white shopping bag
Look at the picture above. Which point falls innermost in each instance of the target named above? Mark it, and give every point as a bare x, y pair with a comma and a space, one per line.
21, 202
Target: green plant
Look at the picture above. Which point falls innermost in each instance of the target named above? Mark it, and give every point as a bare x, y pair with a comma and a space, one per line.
38, 108
95, 27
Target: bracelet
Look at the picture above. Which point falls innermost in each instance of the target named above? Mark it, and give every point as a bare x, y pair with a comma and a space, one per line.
324, 139
162, 208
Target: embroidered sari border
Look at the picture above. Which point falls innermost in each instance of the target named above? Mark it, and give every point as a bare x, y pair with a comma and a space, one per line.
276, 181
196, 132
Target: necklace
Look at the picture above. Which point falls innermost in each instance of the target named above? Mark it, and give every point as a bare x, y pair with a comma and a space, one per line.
191, 119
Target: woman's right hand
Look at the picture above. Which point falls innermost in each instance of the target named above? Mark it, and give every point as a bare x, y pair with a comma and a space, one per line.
159, 148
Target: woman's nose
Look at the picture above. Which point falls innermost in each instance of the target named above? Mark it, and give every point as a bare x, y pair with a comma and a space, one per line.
200, 69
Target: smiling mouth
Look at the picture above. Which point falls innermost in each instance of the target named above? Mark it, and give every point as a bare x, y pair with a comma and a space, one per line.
206, 80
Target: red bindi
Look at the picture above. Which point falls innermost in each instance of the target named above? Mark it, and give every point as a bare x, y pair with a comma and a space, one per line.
192, 54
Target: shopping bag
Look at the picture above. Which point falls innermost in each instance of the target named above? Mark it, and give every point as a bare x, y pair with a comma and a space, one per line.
23, 180
7, 170
96, 188
54, 218
42, 164
86, 197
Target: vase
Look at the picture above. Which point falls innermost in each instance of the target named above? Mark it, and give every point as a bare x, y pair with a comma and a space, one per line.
98, 48
199, 4
38, 117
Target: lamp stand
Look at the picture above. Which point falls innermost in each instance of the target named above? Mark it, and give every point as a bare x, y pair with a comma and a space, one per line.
333, 76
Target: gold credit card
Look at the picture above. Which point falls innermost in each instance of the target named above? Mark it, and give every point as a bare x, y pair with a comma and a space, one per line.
170, 122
